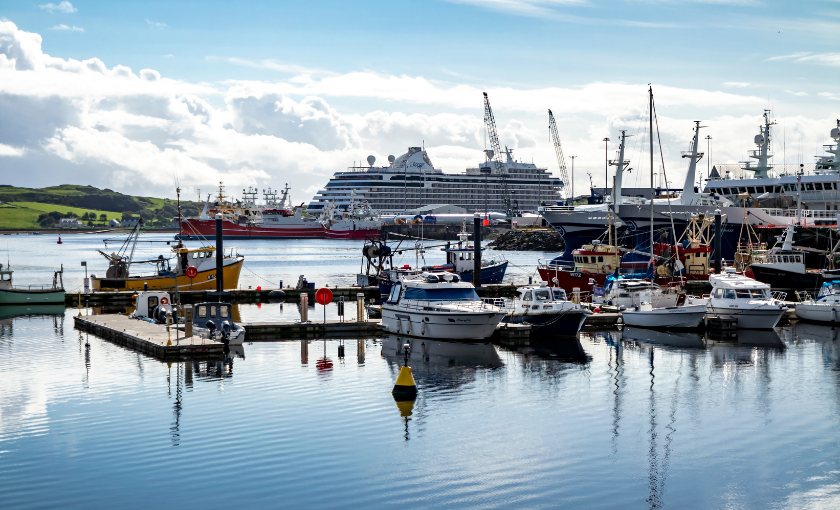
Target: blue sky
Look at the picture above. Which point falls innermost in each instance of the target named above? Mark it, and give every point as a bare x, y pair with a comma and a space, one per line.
378, 75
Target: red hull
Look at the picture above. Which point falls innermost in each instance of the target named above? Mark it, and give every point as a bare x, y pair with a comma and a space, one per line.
308, 230
568, 281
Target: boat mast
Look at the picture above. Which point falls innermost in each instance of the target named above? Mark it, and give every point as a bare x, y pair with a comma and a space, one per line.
178, 195
136, 235
650, 111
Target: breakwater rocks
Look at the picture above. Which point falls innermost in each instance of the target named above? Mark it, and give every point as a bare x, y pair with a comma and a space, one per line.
530, 239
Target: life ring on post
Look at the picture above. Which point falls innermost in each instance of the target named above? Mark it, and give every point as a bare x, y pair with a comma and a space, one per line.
164, 300
606, 268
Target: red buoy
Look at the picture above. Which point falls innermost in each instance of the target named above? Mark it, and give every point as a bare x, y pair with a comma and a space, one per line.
59, 240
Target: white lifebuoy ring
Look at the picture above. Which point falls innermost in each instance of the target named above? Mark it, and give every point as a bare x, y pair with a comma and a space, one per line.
164, 301
606, 268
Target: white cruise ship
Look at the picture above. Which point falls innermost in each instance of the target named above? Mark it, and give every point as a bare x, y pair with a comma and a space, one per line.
411, 181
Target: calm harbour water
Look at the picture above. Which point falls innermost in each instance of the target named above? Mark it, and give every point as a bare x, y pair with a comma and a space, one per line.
629, 419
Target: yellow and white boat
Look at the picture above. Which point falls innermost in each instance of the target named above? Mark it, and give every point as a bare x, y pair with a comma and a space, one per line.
165, 276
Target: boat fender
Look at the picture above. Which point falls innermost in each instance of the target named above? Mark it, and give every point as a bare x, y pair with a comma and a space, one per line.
423, 329
597, 310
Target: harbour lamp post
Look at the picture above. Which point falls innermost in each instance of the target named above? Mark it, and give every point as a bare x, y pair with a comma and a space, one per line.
572, 178
708, 157
606, 164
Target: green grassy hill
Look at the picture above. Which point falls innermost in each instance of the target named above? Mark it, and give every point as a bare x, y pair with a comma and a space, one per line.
28, 208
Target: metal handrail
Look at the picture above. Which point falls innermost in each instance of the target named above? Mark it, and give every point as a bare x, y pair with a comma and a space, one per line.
446, 306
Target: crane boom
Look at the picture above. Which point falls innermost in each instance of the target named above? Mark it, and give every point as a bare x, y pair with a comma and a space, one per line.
561, 161
490, 123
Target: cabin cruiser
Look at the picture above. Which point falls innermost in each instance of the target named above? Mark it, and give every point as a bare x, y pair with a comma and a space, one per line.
545, 309
825, 308
645, 315
216, 320
438, 305
749, 301
619, 291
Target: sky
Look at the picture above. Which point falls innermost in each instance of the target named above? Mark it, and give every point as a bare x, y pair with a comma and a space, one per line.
133, 96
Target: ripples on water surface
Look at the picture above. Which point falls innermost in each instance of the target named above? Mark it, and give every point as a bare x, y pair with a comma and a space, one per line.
647, 421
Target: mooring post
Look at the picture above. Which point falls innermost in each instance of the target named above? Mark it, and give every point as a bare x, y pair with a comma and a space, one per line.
717, 242
220, 258
360, 307
477, 251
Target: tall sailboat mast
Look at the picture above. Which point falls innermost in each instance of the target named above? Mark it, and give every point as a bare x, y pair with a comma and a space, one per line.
650, 110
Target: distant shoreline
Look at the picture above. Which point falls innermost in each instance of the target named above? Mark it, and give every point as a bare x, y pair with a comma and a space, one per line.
58, 231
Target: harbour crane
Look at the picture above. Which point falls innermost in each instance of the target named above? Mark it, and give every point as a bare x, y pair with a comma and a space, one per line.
511, 208
561, 161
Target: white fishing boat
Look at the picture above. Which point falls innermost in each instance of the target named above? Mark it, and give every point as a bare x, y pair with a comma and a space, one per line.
438, 305
645, 315
749, 301
826, 306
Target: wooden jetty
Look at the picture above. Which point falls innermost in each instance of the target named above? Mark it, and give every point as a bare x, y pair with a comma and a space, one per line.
266, 331
148, 338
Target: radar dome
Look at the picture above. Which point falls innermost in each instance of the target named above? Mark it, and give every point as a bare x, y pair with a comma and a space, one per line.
371, 160
759, 139
835, 133
391, 158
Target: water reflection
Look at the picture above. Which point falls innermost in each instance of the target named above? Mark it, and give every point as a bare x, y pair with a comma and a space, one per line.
826, 336
565, 349
430, 353
686, 340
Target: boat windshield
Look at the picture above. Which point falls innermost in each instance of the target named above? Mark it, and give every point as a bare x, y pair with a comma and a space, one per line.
465, 294
830, 288
559, 295
542, 295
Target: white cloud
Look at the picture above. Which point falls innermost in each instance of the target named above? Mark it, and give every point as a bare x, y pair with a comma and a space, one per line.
156, 24
65, 27
169, 55
828, 59
8, 150
830, 95
736, 84
267, 64
65, 7
800, 94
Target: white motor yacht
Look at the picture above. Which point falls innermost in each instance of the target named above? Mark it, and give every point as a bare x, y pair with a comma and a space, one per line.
438, 305
645, 315
825, 308
628, 292
747, 300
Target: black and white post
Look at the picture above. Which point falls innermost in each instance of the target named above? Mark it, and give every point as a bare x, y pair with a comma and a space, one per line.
220, 257
477, 251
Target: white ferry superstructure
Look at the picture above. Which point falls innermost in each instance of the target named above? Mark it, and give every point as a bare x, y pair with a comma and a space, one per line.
411, 181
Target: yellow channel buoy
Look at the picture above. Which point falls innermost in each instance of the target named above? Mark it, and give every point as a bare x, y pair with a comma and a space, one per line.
405, 386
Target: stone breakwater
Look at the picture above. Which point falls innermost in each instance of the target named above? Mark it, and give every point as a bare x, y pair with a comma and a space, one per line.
529, 240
